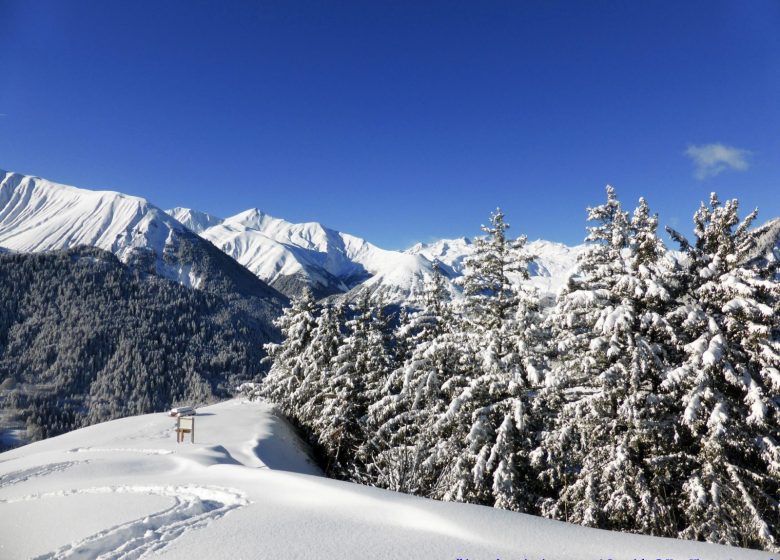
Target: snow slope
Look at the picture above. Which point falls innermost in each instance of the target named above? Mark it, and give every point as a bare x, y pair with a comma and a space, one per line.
246, 489
39, 215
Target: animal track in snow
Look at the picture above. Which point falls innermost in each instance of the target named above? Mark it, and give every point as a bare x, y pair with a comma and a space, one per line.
16, 477
194, 507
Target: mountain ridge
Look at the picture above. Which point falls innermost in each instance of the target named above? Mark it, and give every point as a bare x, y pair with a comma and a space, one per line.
38, 215
287, 257
292, 255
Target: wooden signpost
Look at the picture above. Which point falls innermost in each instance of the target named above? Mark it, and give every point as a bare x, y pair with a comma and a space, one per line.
185, 425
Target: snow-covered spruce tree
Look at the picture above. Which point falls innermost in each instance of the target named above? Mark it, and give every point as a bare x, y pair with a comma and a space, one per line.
607, 431
490, 295
485, 429
381, 341
726, 389
571, 377
580, 303
358, 371
400, 422
288, 358
308, 397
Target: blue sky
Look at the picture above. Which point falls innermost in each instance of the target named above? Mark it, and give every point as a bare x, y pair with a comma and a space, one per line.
399, 121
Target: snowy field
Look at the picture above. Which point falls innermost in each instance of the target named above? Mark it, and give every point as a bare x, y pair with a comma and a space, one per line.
246, 489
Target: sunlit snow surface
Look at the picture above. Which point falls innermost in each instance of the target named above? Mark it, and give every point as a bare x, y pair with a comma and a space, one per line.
38, 215
246, 489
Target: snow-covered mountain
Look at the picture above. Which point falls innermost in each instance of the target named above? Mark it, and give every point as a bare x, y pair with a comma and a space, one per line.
766, 243
450, 253
552, 265
246, 489
290, 255
192, 219
38, 215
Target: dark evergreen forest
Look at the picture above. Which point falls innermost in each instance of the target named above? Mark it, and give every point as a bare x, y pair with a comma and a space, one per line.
85, 338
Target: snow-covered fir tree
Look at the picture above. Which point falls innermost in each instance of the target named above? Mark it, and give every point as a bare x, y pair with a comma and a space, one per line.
607, 432
485, 428
491, 294
288, 358
358, 371
308, 397
571, 377
401, 421
726, 389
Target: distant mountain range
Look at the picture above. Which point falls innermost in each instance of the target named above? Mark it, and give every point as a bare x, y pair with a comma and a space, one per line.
37, 215
289, 256
200, 250
551, 267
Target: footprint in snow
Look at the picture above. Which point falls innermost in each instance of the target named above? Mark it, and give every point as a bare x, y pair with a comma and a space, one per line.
194, 507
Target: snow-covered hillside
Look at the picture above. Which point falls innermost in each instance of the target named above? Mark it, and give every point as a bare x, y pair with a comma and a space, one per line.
39, 215
289, 255
192, 219
246, 489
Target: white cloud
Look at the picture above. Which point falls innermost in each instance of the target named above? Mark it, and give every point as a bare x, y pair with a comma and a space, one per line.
712, 159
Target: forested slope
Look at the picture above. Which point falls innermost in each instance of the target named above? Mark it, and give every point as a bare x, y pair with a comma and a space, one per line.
85, 338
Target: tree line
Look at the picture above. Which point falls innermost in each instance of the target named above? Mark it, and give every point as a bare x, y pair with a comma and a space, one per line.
644, 400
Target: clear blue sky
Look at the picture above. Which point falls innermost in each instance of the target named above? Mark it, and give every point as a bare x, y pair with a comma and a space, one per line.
398, 121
